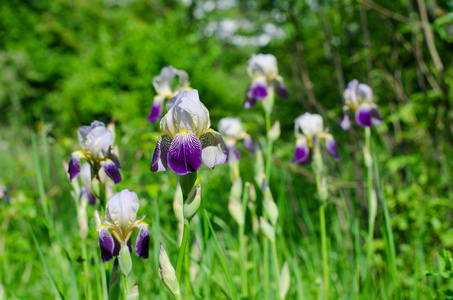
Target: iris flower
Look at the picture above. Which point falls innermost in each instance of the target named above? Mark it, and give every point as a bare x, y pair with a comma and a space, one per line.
309, 131
359, 98
96, 142
119, 224
163, 84
187, 138
232, 132
263, 72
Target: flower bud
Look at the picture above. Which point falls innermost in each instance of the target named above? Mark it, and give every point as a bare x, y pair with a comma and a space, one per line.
284, 281
133, 293
236, 190
255, 225
373, 205
187, 182
317, 160
167, 273
97, 219
235, 208
192, 203
270, 207
125, 260
251, 203
367, 157
82, 218
267, 229
323, 192
259, 167
178, 204
274, 132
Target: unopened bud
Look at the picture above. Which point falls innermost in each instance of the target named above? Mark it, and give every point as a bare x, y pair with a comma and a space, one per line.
284, 281
259, 167
167, 273
323, 193
251, 203
187, 182
367, 157
192, 203
267, 229
82, 218
133, 293
97, 219
235, 208
317, 160
270, 207
373, 205
177, 204
274, 132
255, 225
125, 260
236, 189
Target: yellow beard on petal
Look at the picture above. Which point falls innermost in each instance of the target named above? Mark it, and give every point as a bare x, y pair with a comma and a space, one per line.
183, 132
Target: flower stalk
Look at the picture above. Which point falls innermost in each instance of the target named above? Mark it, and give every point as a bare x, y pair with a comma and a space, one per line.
372, 201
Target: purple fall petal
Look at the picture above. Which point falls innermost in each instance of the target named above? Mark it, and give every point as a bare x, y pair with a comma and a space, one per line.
159, 162
259, 91
233, 153
363, 115
248, 143
111, 170
332, 147
214, 150
142, 242
156, 110
376, 117
74, 166
302, 151
280, 89
184, 155
107, 244
345, 122
249, 100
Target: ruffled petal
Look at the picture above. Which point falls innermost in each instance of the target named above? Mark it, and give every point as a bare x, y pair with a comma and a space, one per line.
249, 100
214, 149
363, 115
156, 110
332, 147
184, 154
376, 117
345, 122
280, 88
159, 162
302, 151
107, 244
122, 209
111, 170
142, 242
248, 143
74, 165
258, 88
98, 142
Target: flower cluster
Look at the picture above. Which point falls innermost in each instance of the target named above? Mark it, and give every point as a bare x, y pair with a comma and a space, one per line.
188, 139
232, 131
96, 141
263, 72
359, 98
119, 224
163, 84
309, 131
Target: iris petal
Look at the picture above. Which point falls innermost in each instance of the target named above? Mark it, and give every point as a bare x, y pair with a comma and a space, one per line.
74, 165
248, 143
302, 151
214, 149
156, 110
107, 244
142, 242
111, 170
184, 155
376, 117
345, 122
160, 154
280, 88
249, 100
122, 209
363, 115
332, 147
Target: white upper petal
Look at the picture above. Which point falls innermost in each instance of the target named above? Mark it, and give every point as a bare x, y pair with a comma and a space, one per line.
364, 93
98, 142
356, 93
163, 83
231, 127
85, 174
122, 209
185, 112
310, 124
263, 64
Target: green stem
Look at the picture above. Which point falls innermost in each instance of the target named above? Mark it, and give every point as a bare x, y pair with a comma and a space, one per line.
86, 273
242, 254
266, 268
126, 286
182, 251
322, 217
371, 215
276, 263
102, 197
178, 297
269, 149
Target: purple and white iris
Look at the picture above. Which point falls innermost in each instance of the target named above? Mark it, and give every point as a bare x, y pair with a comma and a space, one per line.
187, 138
263, 71
309, 131
119, 224
96, 141
359, 98
232, 132
163, 84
